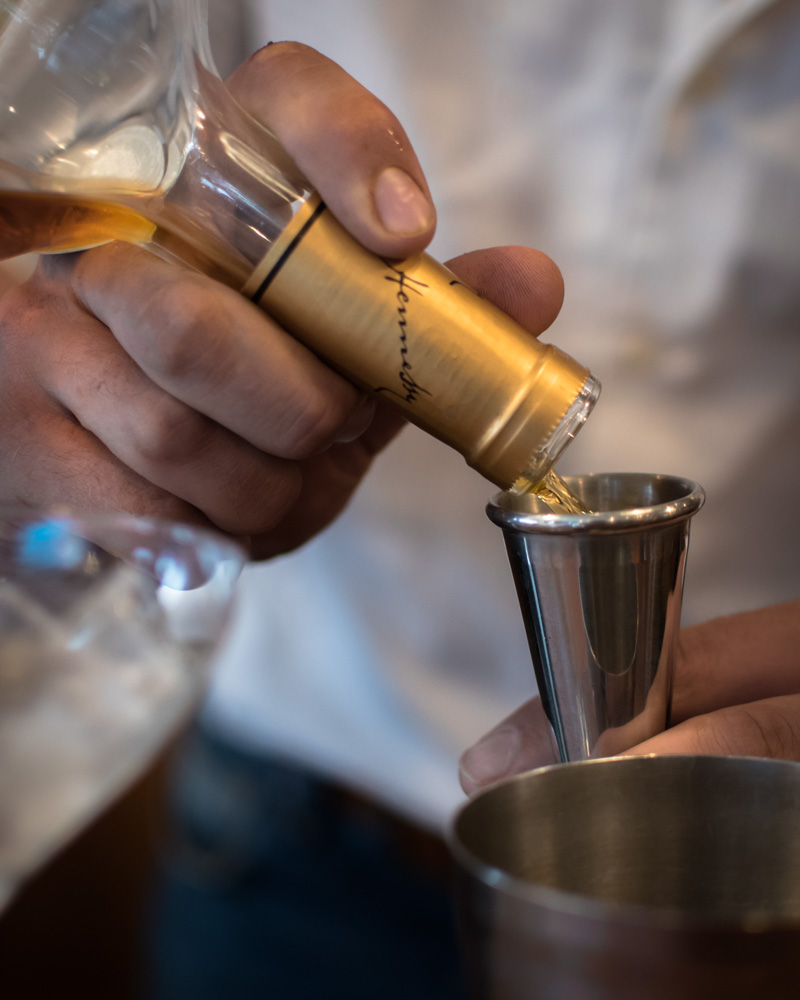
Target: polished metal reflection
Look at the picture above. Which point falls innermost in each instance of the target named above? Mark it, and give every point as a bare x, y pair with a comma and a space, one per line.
601, 599
637, 878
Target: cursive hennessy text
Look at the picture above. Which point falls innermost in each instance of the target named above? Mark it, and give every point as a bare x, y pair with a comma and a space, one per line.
406, 287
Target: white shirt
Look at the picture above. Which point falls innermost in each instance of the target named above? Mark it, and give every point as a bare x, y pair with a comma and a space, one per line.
652, 148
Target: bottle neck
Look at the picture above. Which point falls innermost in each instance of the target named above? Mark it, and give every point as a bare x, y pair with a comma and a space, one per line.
237, 190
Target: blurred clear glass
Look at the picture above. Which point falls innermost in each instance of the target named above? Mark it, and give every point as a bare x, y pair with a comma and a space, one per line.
108, 624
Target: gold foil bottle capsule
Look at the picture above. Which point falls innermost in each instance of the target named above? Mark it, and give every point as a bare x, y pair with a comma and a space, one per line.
414, 335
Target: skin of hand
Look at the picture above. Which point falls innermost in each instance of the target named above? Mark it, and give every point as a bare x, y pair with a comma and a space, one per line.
128, 383
736, 692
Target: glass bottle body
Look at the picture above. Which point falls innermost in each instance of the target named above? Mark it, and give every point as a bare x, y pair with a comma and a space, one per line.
171, 160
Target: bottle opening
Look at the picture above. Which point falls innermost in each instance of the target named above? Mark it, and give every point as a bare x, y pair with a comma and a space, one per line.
572, 421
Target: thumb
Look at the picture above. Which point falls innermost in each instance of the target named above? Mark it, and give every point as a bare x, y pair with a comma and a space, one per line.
522, 741
523, 282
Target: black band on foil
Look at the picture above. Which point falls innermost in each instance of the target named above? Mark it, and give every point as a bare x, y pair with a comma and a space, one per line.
259, 293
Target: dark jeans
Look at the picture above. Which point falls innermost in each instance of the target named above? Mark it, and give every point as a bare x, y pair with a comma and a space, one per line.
277, 885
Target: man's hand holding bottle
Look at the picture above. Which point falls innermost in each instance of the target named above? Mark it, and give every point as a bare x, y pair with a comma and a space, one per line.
133, 384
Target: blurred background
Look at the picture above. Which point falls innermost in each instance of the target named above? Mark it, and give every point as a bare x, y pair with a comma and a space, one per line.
291, 842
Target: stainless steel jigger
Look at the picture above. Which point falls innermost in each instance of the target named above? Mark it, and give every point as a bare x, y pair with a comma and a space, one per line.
601, 600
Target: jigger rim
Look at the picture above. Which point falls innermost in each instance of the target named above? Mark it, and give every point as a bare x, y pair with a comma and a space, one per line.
663, 498
573, 905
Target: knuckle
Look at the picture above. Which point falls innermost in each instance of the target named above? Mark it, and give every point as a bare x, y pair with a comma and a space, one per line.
312, 423
147, 500
261, 498
169, 433
362, 129
105, 266
762, 729
183, 321
311, 87
773, 728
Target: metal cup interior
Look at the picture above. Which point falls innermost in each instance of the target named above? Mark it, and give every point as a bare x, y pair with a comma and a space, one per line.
633, 877
615, 499
681, 838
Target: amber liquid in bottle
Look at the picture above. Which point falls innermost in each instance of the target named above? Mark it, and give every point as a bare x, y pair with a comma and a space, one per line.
40, 222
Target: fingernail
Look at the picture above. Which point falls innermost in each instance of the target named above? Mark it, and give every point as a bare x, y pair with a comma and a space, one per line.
490, 759
401, 205
358, 422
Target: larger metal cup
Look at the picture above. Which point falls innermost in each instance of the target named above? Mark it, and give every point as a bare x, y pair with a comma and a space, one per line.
637, 878
601, 600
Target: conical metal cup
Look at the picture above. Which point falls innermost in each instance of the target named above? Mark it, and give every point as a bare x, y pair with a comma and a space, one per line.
601, 600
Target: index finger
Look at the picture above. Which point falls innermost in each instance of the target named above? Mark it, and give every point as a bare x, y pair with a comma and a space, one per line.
737, 659
348, 143
214, 350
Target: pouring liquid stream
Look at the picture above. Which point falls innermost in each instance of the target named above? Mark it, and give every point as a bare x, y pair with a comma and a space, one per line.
555, 493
